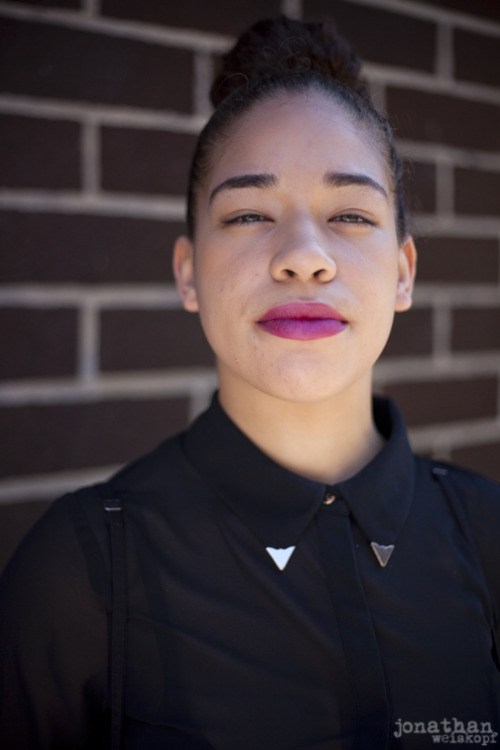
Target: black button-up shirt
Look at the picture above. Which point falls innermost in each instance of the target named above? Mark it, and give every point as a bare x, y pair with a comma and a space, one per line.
260, 615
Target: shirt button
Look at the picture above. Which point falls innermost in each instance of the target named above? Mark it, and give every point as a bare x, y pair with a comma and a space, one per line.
328, 499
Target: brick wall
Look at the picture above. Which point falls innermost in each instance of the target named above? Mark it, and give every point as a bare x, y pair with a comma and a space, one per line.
100, 104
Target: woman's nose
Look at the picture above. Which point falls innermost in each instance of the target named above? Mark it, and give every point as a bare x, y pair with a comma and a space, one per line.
303, 255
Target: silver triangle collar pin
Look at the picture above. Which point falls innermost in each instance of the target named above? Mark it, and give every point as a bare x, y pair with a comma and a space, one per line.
383, 552
280, 556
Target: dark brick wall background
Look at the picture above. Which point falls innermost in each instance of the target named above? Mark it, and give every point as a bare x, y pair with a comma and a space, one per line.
100, 103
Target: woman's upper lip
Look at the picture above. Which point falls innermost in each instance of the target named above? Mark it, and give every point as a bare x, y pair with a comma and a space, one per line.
302, 311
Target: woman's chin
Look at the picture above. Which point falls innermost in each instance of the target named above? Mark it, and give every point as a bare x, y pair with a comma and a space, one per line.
304, 386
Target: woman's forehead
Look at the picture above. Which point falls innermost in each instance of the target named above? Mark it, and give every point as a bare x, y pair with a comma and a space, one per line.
306, 133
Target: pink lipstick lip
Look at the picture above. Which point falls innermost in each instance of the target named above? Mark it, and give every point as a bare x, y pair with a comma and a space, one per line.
302, 321
302, 311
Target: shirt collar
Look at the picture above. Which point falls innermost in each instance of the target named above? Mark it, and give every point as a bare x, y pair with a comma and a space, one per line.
278, 505
380, 495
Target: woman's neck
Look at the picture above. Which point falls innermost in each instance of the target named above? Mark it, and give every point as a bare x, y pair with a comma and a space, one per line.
327, 441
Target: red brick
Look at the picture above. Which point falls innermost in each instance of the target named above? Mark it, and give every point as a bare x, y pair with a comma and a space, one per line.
440, 402
36, 153
86, 249
484, 8
484, 459
40, 439
37, 343
438, 118
65, 63
146, 161
150, 339
380, 36
420, 187
458, 260
477, 191
476, 57
476, 329
411, 334
68, 4
220, 16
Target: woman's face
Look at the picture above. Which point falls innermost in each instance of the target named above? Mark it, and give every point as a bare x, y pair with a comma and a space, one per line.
296, 270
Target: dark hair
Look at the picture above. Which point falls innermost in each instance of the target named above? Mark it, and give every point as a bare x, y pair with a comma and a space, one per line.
286, 55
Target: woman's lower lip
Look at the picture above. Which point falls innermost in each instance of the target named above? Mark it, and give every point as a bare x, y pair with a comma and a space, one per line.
303, 329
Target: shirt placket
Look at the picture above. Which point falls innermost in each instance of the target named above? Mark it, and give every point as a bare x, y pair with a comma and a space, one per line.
371, 710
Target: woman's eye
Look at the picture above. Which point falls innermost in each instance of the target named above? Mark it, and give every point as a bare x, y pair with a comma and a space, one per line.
353, 219
245, 219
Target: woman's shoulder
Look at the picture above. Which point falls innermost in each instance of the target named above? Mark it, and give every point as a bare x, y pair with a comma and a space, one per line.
474, 500
75, 524
142, 477
472, 495
475, 490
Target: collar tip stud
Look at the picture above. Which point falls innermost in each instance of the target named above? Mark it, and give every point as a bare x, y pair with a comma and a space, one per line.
382, 552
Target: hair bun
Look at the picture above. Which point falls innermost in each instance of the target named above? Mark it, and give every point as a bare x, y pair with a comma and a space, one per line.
281, 46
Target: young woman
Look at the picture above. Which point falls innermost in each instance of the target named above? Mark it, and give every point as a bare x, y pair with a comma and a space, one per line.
293, 577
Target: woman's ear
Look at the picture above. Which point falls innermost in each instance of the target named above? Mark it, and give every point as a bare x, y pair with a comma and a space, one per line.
407, 266
183, 265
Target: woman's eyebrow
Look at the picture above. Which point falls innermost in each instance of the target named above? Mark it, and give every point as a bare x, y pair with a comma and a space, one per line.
244, 181
344, 179
332, 179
